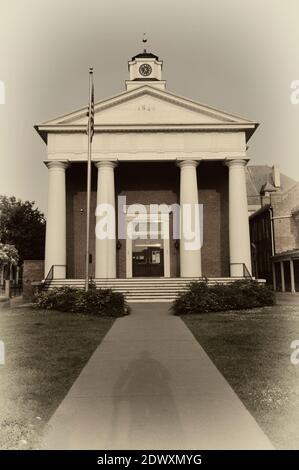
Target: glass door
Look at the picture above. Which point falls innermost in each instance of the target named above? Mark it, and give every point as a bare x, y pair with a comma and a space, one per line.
148, 253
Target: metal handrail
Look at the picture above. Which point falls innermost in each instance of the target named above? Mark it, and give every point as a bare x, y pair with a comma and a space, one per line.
50, 275
246, 272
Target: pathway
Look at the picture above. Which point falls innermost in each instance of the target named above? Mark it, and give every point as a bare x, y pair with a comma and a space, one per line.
150, 385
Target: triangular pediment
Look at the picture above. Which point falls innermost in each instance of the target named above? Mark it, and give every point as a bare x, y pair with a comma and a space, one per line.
148, 106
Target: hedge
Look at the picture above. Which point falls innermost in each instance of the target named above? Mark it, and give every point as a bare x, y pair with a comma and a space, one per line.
94, 301
238, 295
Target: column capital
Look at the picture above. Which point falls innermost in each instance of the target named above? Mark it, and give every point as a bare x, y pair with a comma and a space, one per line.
105, 164
187, 163
58, 164
234, 162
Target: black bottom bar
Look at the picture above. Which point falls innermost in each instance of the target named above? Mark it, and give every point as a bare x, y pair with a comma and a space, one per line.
133, 459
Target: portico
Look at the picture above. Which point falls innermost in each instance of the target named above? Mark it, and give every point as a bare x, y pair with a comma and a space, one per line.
151, 147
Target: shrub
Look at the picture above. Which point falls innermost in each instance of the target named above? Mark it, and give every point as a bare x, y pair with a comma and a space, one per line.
202, 298
94, 301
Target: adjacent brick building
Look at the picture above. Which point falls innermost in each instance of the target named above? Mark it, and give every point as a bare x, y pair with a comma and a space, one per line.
274, 227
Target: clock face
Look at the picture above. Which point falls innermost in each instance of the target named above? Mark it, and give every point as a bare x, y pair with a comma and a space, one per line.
145, 70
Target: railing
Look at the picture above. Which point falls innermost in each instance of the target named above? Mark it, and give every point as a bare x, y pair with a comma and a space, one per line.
244, 270
51, 274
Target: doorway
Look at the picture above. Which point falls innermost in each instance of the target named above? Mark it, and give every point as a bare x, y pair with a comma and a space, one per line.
147, 259
148, 255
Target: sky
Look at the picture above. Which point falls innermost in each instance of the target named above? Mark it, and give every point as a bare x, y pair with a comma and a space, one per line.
238, 56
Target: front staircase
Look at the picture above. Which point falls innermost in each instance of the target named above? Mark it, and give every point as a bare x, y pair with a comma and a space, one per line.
141, 289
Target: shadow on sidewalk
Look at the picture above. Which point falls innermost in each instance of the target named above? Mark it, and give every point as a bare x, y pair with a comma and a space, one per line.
143, 390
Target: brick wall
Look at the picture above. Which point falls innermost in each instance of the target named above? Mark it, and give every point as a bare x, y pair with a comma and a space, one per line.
76, 219
286, 230
213, 194
33, 270
151, 183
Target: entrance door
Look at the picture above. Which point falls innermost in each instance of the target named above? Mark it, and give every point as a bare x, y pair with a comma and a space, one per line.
148, 259
147, 252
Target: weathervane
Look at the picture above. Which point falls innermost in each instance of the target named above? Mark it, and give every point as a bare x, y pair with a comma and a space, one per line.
144, 41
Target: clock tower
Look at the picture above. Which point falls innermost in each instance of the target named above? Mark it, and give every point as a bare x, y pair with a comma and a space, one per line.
145, 69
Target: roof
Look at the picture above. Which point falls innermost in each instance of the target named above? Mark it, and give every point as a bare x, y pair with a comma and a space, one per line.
146, 79
180, 115
268, 188
284, 255
259, 177
263, 209
145, 55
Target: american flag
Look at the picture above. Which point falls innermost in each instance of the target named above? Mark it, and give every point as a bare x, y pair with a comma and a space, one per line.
90, 132
91, 107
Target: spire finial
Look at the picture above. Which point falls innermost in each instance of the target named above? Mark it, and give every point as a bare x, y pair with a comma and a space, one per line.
144, 41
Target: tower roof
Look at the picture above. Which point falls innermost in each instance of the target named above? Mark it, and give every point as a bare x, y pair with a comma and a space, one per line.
145, 55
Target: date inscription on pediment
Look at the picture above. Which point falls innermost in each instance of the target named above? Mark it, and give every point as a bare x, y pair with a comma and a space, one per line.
146, 107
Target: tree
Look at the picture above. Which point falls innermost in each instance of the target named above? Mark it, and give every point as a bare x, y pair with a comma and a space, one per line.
8, 255
22, 225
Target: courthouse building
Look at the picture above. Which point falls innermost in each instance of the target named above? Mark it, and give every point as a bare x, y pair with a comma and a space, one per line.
153, 147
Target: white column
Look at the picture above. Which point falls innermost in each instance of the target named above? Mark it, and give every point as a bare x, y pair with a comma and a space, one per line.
105, 259
283, 284
293, 288
55, 253
190, 259
239, 240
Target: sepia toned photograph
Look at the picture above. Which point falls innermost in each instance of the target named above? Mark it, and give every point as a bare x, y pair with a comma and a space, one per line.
149, 232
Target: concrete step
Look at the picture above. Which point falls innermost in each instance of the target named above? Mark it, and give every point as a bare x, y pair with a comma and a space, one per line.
127, 287
141, 289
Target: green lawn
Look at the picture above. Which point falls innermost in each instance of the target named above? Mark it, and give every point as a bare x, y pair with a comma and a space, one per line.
252, 350
45, 352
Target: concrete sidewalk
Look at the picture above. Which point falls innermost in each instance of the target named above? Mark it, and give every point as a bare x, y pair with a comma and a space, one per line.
150, 385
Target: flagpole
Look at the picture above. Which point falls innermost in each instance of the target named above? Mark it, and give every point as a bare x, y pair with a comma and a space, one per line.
88, 182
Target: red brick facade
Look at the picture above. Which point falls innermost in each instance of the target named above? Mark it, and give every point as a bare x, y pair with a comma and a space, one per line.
275, 237
286, 229
151, 183
33, 270
213, 194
